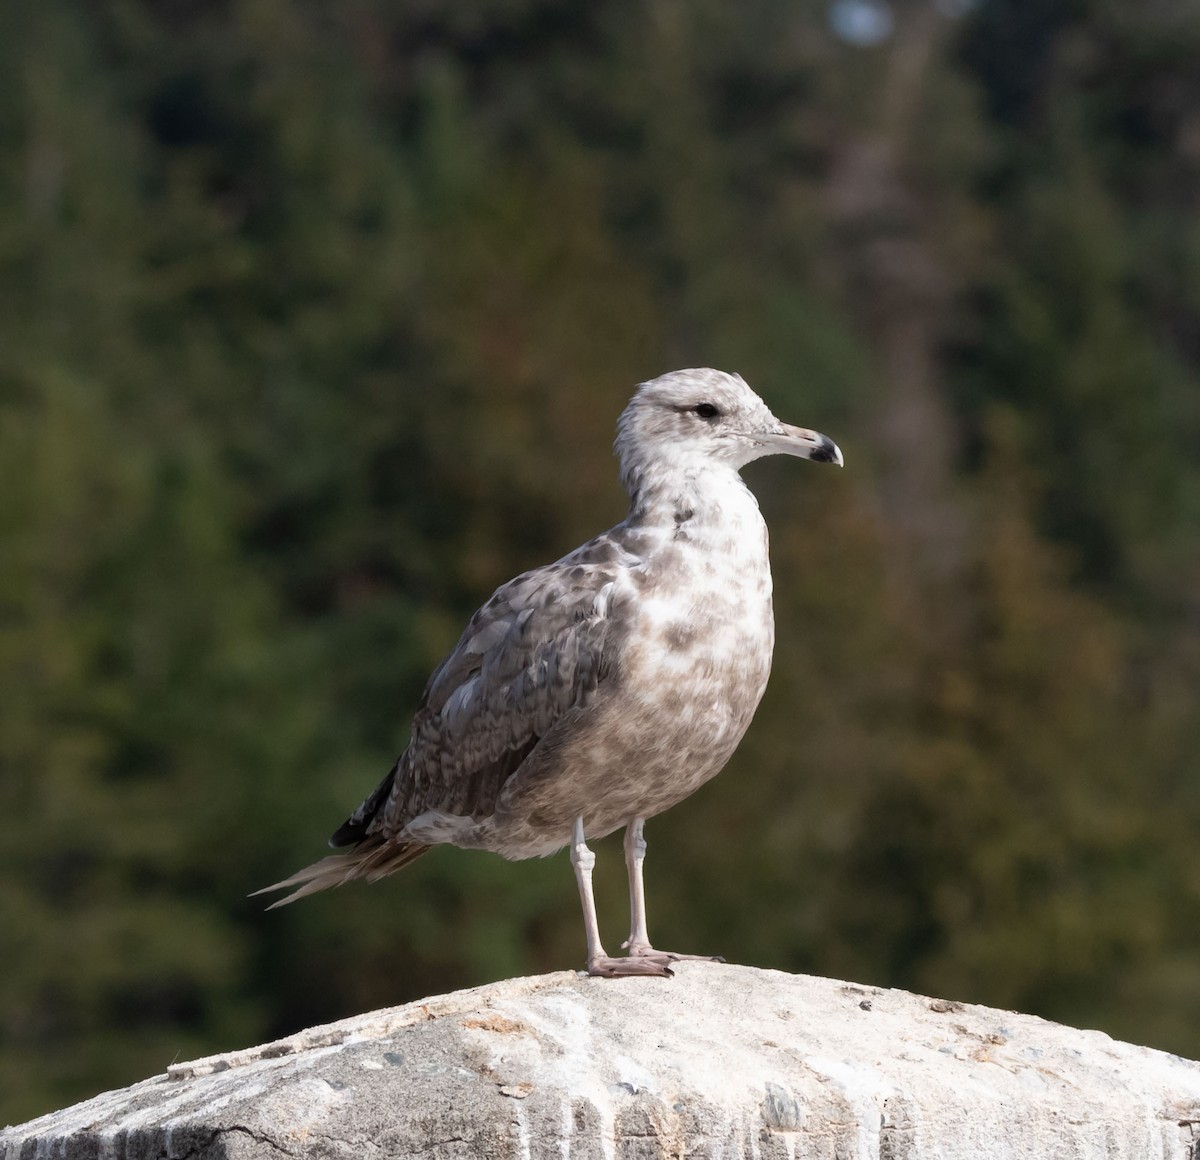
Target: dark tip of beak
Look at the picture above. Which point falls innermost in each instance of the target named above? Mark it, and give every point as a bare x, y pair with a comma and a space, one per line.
827, 452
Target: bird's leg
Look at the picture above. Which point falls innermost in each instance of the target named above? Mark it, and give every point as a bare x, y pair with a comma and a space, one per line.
635, 855
599, 963
583, 860
638, 943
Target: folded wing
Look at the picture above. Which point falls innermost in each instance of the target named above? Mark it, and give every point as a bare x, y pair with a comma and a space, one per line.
537, 649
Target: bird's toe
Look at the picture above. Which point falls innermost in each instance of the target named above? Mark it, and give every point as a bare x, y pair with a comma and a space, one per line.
665, 957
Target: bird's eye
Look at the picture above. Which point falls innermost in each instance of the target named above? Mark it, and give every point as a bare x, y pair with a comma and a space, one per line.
707, 410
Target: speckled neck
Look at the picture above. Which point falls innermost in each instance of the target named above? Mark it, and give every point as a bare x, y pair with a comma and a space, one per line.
701, 499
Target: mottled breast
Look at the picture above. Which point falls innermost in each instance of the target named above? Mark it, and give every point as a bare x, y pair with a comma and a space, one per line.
690, 663
697, 660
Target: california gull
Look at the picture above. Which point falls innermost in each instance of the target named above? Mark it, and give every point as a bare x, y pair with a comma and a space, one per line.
599, 691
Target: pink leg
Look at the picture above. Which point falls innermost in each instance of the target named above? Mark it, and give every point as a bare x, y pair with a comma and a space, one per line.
599, 963
638, 943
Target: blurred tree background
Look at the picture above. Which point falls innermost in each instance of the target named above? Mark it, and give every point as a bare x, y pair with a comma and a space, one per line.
315, 321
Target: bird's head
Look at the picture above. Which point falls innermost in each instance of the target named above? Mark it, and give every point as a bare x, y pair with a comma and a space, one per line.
693, 420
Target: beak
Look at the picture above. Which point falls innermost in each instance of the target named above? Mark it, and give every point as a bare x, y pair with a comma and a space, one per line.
787, 440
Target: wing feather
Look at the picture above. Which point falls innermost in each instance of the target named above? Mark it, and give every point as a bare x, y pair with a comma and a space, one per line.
540, 646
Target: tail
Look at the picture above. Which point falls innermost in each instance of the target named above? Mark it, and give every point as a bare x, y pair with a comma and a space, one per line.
372, 859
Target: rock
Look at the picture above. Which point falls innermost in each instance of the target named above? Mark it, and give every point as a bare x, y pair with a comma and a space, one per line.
719, 1061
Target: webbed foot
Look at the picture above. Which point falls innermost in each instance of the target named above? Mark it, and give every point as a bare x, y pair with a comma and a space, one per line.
647, 953
608, 967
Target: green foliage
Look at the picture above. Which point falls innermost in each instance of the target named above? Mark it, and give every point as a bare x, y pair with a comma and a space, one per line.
314, 323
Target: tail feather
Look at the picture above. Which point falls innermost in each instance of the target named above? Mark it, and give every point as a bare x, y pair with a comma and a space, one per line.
372, 859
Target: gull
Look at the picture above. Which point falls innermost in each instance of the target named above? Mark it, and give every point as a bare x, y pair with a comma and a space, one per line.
600, 690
